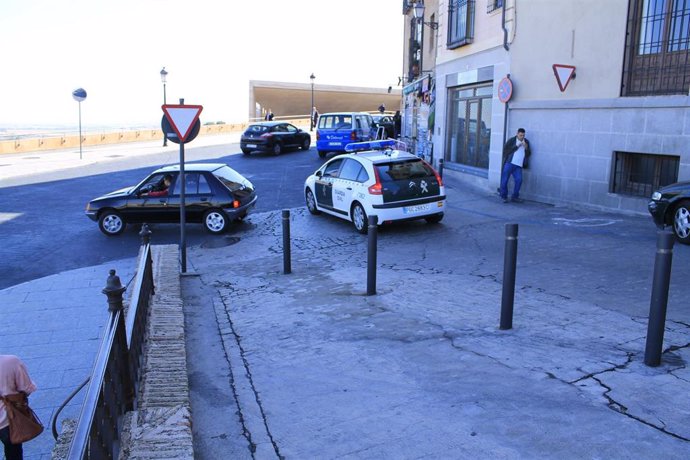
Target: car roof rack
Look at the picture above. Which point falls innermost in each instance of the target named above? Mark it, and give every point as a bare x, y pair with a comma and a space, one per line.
382, 144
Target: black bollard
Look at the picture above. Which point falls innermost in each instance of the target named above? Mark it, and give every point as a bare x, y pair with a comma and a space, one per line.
372, 233
113, 290
287, 266
659, 301
509, 264
440, 167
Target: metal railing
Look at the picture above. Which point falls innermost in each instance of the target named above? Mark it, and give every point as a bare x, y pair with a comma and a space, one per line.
115, 379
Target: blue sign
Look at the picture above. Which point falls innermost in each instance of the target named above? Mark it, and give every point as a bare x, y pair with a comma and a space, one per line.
79, 94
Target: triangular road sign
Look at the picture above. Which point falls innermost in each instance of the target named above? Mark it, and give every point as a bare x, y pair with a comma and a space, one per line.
182, 118
564, 73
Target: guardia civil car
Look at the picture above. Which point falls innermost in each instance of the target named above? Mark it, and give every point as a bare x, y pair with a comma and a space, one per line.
376, 178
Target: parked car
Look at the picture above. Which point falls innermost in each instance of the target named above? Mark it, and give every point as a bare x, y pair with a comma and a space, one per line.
337, 129
215, 195
388, 124
670, 205
273, 137
379, 178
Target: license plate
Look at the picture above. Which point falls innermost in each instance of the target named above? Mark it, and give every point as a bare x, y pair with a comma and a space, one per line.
251, 146
334, 143
415, 209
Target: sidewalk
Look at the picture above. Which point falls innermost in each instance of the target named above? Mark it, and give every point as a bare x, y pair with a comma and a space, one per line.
421, 370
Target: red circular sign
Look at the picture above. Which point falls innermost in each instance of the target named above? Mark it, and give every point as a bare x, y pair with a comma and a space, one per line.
505, 89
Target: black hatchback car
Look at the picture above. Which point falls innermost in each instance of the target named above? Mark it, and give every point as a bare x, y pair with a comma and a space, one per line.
670, 205
215, 195
273, 137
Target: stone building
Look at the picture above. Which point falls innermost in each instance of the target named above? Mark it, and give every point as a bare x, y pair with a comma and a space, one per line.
602, 88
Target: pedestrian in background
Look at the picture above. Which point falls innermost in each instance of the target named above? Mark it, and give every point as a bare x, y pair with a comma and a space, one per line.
516, 153
397, 123
314, 117
382, 108
269, 115
14, 379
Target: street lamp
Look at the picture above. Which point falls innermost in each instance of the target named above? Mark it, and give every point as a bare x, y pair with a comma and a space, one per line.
164, 76
311, 117
418, 12
79, 95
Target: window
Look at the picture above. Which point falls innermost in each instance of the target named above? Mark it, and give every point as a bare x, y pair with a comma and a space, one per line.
657, 56
639, 174
460, 23
195, 183
493, 5
469, 126
331, 169
351, 170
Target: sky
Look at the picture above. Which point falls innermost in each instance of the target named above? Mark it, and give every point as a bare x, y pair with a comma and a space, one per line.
211, 49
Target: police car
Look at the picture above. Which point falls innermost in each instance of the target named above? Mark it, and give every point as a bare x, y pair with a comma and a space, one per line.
376, 178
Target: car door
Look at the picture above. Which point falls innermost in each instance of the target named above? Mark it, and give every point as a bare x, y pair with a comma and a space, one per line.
197, 197
291, 138
348, 186
143, 208
324, 183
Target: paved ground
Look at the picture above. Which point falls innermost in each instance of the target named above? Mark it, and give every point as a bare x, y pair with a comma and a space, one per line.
307, 366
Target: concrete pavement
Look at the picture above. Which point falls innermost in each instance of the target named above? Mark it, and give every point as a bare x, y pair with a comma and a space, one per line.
307, 366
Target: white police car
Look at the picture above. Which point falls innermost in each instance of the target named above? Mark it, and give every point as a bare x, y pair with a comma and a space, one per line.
377, 178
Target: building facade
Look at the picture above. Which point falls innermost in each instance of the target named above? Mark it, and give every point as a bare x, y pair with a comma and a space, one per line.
602, 89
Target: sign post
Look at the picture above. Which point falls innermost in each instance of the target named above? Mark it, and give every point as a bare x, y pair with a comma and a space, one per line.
181, 124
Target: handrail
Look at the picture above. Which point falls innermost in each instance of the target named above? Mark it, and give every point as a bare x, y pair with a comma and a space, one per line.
114, 383
53, 423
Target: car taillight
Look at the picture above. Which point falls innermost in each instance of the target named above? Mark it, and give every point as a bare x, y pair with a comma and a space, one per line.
235, 203
353, 135
377, 188
438, 178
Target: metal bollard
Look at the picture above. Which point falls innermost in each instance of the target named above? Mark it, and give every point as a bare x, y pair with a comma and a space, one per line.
145, 234
509, 264
371, 254
440, 167
287, 266
659, 301
114, 289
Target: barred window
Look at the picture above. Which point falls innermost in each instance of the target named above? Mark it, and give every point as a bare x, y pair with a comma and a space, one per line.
639, 174
657, 57
460, 23
493, 5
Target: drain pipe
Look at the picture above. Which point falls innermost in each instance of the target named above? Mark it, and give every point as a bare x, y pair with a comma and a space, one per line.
503, 26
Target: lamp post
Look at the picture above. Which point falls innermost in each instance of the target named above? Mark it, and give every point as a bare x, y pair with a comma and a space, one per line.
311, 117
164, 76
418, 12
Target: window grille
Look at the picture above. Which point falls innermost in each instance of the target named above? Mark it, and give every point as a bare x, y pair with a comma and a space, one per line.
493, 5
640, 174
460, 23
657, 55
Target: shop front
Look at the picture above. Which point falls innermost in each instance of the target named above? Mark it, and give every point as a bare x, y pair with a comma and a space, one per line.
418, 117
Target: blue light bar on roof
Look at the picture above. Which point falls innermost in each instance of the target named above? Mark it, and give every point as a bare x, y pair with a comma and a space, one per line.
371, 145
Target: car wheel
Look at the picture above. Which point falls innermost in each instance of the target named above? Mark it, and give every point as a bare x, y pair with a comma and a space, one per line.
111, 223
435, 219
215, 221
311, 202
681, 222
306, 144
322, 154
360, 219
277, 148
246, 152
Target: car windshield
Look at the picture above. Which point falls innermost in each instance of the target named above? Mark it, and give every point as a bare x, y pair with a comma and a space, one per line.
231, 179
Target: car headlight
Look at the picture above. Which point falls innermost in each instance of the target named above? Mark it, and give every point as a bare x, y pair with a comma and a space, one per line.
656, 196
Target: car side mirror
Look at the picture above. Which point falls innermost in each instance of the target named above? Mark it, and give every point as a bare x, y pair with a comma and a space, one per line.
319, 173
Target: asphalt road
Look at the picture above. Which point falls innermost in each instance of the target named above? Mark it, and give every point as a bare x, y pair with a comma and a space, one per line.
44, 229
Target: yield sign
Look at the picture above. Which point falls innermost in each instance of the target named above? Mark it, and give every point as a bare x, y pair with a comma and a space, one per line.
182, 118
564, 73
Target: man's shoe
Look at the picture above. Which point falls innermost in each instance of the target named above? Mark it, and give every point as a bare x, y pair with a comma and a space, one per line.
517, 200
505, 200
